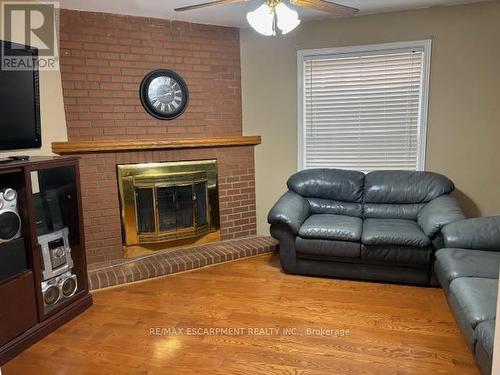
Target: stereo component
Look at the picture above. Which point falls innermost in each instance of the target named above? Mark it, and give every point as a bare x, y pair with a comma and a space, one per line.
10, 222
59, 288
55, 253
69, 286
48, 212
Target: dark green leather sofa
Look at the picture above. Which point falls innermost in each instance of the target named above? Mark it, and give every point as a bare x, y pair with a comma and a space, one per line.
380, 226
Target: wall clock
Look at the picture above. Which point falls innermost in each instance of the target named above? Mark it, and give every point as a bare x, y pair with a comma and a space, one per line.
164, 94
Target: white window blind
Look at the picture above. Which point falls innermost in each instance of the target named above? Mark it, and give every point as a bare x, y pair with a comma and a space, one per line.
364, 109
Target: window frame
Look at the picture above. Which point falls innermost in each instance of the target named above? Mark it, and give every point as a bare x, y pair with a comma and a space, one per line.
307, 54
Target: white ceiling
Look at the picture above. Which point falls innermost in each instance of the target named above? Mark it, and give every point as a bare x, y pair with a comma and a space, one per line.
234, 14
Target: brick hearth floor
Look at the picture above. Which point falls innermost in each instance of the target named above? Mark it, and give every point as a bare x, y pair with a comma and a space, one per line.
103, 275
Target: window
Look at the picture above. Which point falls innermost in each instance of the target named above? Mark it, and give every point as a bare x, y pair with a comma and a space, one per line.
364, 108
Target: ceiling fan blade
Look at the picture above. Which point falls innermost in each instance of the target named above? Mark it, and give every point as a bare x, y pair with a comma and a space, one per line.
326, 6
209, 4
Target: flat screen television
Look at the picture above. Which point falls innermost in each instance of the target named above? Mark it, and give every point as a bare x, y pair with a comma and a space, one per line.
19, 101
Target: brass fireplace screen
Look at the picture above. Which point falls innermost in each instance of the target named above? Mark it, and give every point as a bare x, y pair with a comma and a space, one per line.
162, 202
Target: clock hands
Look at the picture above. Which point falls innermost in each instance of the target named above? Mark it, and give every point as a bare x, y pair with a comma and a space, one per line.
161, 95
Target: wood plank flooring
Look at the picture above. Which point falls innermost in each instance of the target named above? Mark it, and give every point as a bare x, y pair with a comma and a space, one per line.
393, 330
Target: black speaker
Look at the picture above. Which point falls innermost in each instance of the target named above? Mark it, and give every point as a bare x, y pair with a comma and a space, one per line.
54, 209
48, 212
42, 226
12, 258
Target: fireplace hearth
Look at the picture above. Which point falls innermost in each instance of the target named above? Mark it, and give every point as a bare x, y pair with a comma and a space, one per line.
164, 203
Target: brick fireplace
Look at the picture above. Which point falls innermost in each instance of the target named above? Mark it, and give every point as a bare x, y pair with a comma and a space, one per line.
103, 60
100, 194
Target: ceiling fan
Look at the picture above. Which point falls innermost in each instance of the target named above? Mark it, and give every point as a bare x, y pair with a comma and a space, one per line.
274, 14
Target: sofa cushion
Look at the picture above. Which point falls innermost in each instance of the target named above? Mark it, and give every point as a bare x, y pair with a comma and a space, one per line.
327, 248
393, 232
332, 227
392, 211
405, 187
454, 263
472, 300
328, 206
334, 184
485, 333
397, 254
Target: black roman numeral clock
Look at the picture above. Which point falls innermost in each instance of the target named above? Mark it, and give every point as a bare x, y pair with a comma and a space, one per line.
164, 94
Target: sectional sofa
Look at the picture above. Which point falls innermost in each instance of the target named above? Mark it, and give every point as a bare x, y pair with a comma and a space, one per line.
394, 226
467, 269
382, 226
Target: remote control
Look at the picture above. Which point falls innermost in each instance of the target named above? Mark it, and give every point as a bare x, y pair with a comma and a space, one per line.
19, 157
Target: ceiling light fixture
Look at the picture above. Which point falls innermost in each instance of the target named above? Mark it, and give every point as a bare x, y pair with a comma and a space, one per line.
273, 15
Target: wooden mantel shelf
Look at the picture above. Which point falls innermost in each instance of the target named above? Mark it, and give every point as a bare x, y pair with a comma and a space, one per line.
64, 148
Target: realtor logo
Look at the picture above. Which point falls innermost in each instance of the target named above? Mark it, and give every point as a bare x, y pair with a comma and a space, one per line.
30, 25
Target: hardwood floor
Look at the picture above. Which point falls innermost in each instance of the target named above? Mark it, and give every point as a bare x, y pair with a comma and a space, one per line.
392, 329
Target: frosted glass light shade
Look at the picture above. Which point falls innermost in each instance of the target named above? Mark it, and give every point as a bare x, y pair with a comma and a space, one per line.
288, 19
261, 20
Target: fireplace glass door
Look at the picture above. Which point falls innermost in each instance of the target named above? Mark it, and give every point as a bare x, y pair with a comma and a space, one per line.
175, 207
169, 202
200, 193
168, 208
184, 209
145, 210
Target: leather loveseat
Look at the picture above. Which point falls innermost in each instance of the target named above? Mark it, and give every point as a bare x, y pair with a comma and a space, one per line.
467, 269
383, 226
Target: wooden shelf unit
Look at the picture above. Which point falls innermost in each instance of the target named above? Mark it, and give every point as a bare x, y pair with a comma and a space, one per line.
22, 311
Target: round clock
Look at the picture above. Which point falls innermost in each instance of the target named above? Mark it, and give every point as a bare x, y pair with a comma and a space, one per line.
164, 94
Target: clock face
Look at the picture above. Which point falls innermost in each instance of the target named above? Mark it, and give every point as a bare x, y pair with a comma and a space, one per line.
164, 94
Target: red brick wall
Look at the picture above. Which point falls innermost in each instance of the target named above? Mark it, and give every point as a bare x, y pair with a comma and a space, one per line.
104, 57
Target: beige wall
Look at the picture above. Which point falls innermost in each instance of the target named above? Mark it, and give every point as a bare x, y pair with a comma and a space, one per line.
464, 108
52, 114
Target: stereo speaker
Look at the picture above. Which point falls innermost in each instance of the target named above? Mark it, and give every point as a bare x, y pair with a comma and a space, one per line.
59, 288
10, 222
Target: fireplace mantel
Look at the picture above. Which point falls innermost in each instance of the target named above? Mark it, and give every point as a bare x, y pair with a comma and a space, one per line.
79, 147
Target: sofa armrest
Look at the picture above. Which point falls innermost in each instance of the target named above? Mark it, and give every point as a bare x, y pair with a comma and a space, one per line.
481, 233
438, 213
291, 210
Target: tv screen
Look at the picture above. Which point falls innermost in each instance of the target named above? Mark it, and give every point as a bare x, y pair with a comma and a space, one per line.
19, 100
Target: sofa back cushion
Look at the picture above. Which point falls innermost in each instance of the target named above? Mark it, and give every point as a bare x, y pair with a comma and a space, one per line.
405, 187
402, 194
330, 191
328, 206
392, 210
334, 184
379, 194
